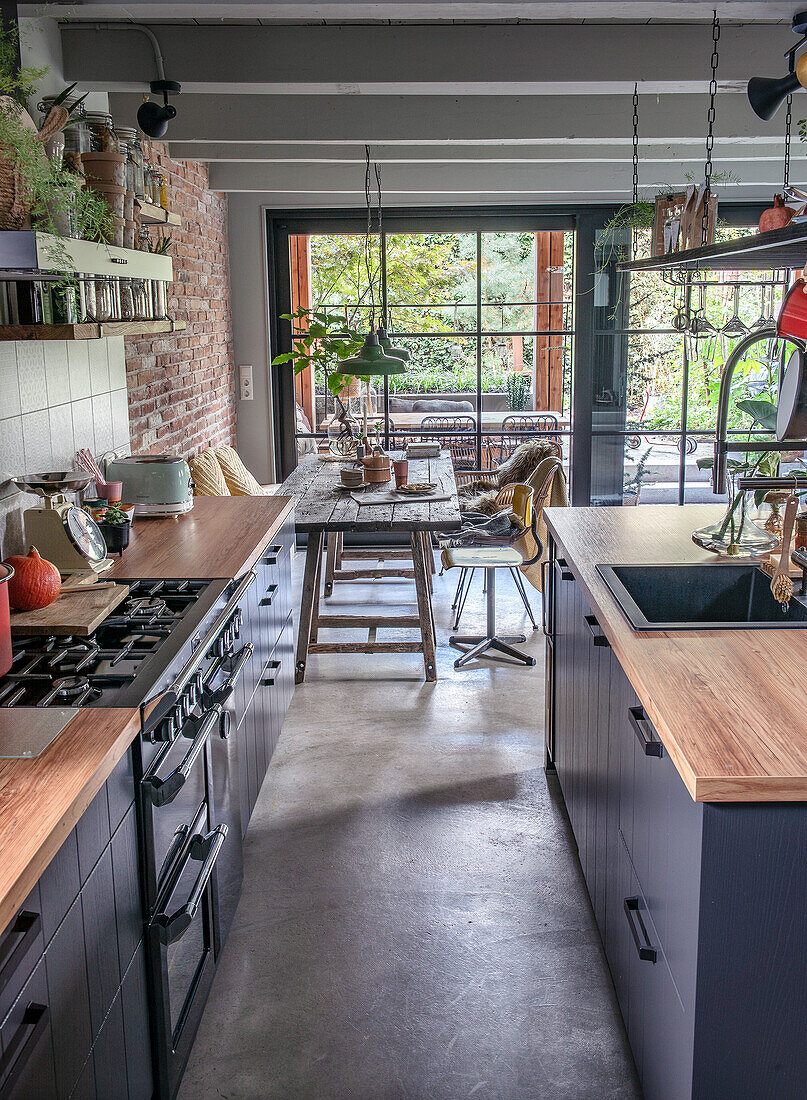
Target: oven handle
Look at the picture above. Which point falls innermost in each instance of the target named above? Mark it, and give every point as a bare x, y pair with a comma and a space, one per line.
223, 693
171, 927
200, 653
163, 791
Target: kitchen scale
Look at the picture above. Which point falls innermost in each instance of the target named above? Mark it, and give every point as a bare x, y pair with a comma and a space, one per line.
62, 532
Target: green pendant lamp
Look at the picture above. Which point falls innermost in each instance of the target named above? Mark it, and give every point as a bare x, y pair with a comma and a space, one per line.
372, 359
389, 348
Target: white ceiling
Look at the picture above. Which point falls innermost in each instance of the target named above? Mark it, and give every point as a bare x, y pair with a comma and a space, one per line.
459, 113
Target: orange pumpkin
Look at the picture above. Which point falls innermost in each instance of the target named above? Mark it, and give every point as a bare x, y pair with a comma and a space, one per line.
36, 582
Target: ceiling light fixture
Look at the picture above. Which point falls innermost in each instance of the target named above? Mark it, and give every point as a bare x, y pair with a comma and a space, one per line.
766, 94
153, 118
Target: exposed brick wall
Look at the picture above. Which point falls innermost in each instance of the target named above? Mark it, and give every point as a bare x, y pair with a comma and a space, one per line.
182, 387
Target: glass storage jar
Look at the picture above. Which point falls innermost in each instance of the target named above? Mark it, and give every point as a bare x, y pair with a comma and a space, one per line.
159, 299
142, 299
127, 305
102, 133
99, 299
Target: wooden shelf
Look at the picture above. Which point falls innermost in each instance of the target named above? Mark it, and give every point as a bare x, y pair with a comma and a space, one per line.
89, 330
155, 215
775, 250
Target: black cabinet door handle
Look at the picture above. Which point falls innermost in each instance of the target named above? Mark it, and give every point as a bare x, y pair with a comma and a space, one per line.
596, 631
638, 719
638, 930
21, 1044
271, 592
545, 596
269, 681
15, 943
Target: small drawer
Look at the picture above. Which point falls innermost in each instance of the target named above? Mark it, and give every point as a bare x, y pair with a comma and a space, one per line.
27, 1067
22, 945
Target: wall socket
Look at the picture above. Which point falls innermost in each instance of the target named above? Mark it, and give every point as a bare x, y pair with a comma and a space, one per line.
245, 379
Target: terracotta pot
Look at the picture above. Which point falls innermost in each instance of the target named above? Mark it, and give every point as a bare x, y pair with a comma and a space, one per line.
105, 167
114, 195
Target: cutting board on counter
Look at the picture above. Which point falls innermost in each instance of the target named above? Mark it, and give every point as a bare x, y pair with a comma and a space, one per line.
72, 613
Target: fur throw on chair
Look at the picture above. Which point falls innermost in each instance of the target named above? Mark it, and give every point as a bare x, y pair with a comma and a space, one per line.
480, 495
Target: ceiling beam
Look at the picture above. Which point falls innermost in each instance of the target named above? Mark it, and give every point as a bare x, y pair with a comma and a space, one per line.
416, 60
420, 10
379, 119
469, 179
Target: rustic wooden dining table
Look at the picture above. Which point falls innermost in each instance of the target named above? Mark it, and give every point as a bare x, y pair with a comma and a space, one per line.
323, 507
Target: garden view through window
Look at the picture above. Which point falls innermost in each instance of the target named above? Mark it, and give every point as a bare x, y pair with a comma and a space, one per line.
489, 321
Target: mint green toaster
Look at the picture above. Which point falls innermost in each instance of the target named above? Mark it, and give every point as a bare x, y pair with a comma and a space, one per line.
157, 485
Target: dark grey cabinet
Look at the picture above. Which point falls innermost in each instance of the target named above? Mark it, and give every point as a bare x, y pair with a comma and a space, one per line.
700, 906
66, 960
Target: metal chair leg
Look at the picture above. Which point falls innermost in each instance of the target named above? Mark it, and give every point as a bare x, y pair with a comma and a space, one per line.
463, 598
519, 583
463, 571
490, 641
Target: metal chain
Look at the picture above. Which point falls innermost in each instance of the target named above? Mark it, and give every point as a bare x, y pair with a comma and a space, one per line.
635, 144
710, 123
788, 122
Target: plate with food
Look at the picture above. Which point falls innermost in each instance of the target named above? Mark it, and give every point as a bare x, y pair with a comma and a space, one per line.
413, 487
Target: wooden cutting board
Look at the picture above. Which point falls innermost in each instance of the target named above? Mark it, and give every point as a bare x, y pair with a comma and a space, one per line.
76, 613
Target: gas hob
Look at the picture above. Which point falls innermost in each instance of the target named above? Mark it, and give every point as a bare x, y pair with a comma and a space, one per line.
126, 658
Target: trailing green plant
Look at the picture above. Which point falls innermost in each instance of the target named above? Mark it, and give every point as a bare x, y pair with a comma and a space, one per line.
19, 83
321, 340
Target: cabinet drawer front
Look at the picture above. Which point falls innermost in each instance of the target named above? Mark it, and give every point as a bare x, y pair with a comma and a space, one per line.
26, 1047
660, 1029
21, 947
661, 828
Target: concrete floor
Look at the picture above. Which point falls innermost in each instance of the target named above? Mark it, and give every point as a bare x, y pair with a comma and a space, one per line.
414, 922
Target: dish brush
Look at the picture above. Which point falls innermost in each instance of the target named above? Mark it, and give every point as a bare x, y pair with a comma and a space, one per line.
781, 583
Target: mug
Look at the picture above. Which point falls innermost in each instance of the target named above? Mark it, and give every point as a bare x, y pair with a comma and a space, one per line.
401, 467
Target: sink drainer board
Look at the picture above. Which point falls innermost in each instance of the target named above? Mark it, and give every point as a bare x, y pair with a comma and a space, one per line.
691, 596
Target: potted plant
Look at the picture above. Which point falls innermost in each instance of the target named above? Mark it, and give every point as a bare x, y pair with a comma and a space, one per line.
115, 526
321, 341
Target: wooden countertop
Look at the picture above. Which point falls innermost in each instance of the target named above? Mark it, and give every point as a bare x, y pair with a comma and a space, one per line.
729, 705
219, 537
42, 799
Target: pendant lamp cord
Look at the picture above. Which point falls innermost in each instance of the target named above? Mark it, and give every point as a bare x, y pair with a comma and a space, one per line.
635, 144
382, 288
788, 124
368, 197
710, 123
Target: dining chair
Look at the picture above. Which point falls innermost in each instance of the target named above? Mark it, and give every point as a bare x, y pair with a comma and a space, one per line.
518, 498
444, 429
540, 481
515, 429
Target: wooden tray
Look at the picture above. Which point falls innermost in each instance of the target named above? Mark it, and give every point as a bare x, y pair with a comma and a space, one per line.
76, 613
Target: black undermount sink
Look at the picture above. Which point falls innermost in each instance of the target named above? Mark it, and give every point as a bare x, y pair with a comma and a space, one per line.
699, 597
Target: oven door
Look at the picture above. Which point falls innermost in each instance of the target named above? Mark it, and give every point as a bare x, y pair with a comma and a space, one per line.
184, 845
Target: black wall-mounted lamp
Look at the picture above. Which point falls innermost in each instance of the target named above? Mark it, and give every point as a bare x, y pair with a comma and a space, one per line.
766, 94
153, 118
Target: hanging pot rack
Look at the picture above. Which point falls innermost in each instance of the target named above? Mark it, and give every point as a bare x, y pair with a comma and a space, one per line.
778, 249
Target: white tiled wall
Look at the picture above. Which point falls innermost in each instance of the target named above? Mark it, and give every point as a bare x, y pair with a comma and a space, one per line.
55, 396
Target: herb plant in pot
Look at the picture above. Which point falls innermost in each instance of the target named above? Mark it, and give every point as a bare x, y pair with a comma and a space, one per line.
115, 526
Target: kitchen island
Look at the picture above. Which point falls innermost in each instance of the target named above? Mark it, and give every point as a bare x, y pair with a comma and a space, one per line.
682, 758
78, 1015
